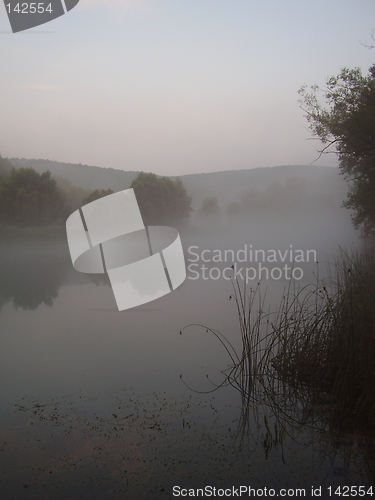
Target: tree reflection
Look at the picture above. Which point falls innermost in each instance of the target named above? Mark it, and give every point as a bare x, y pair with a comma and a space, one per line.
31, 275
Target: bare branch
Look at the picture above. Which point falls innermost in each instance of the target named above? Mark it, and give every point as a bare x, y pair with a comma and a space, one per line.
324, 151
373, 37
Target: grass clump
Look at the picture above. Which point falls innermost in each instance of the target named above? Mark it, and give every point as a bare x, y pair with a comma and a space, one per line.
316, 353
325, 336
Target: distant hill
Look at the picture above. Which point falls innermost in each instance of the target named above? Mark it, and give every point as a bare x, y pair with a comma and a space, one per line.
226, 186
84, 176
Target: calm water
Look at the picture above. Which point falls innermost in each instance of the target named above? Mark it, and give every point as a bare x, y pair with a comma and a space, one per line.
92, 400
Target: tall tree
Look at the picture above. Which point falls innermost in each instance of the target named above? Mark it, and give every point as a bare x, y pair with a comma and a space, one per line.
346, 126
161, 200
31, 199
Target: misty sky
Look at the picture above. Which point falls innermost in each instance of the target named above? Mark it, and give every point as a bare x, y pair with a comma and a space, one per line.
175, 86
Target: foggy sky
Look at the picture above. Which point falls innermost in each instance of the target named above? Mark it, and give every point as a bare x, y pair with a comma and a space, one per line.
175, 86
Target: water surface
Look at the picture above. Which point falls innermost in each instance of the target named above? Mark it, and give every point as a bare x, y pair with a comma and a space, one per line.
92, 400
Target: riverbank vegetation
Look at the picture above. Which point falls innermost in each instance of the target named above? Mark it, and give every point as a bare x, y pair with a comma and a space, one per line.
324, 338
161, 200
311, 359
345, 124
318, 348
36, 205
31, 199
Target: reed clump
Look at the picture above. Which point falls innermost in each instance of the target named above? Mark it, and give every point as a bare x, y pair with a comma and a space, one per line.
324, 336
316, 353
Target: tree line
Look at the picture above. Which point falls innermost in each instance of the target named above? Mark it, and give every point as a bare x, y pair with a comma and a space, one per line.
30, 199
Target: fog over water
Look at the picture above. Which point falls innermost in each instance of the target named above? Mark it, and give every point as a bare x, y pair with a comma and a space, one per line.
63, 342
75, 314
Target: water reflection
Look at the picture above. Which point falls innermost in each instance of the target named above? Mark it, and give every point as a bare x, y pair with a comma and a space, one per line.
107, 440
118, 444
32, 274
